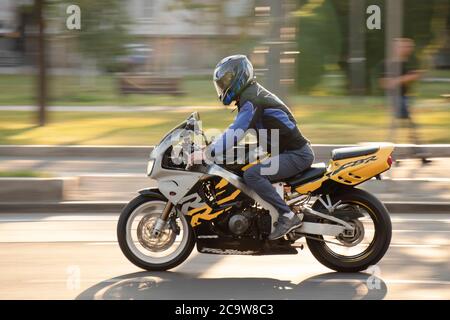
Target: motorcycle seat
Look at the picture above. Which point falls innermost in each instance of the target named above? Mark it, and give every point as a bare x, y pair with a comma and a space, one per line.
316, 171
351, 152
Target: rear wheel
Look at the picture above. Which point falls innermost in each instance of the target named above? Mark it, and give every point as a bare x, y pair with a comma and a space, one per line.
368, 244
164, 252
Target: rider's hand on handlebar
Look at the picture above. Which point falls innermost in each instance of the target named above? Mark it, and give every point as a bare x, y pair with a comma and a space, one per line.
198, 156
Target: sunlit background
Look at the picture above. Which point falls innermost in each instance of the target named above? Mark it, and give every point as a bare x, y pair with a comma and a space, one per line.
319, 55
80, 110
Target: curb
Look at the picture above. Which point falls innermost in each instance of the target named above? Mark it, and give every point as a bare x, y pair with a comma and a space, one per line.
35, 189
117, 206
417, 207
63, 207
76, 151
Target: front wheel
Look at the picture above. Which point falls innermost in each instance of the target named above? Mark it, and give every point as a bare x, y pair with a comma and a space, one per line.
368, 244
134, 233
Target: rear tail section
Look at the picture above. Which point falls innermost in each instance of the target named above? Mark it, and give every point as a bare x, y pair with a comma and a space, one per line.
352, 166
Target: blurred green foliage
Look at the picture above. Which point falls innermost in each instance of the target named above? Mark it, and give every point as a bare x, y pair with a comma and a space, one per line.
67, 91
321, 119
24, 174
319, 41
104, 31
323, 37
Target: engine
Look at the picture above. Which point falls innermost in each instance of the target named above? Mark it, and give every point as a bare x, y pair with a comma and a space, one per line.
250, 221
238, 224
241, 222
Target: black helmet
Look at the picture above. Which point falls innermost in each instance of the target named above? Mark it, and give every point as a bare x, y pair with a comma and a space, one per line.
231, 76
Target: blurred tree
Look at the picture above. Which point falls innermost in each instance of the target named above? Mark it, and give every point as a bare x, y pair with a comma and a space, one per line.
218, 12
319, 41
219, 8
102, 38
324, 35
41, 63
103, 33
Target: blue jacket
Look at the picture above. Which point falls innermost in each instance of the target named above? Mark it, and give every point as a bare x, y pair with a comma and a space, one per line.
260, 109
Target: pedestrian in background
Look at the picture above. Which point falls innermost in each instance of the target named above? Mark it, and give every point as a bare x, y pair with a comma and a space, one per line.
397, 75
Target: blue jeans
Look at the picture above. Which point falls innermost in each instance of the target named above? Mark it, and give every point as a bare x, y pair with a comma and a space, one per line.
402, 109
290, 163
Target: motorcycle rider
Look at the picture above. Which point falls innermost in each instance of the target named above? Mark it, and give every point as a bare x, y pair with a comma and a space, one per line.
260, 109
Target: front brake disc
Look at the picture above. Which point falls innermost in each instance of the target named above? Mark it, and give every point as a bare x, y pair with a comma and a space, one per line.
155, 244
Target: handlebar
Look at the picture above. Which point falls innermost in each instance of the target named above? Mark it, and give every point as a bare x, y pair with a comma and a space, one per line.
190, 144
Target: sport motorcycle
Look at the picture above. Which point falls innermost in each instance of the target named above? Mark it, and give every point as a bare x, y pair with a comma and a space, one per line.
346, 228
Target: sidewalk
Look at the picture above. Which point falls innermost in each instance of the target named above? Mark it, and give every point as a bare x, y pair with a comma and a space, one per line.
125, 187
409, 186
75, 166
89, 183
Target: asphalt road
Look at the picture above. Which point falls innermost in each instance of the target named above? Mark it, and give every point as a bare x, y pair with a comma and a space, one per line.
77, 257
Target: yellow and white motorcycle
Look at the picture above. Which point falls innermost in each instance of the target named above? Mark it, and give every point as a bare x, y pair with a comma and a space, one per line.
346, 229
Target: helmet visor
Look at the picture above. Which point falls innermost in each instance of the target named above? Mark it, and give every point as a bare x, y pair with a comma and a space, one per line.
222, 81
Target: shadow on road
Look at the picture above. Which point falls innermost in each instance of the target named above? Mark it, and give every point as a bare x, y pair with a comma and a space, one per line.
170, 285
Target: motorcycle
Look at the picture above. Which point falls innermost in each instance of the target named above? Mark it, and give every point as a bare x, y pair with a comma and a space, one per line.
209, 205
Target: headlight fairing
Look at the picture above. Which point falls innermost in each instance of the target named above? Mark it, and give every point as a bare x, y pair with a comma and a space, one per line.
150, 165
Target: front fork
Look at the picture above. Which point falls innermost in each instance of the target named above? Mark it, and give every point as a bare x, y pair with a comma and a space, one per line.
162, 220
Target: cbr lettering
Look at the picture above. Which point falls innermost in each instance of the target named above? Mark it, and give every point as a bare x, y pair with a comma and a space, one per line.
355, 163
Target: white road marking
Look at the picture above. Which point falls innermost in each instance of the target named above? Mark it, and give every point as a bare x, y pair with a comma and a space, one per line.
110, 243
38, 217
420, 220
407, 245
63, 218
421, 231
